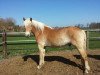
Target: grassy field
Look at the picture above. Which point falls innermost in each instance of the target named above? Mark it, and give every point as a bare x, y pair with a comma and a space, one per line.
94, 43
24, 48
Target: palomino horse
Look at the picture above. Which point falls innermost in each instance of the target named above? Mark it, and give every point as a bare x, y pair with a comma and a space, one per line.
48, 36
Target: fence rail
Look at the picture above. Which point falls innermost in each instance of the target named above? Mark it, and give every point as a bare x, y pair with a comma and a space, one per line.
15, 34
5, 41
21, 41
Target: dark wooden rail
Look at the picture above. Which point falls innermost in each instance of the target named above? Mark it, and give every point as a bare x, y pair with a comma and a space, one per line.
4, 43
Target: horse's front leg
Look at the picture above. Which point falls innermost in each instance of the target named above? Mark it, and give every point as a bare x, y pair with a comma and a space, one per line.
41, 56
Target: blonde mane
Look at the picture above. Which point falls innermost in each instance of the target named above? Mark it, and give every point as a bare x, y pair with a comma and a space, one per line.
38, 25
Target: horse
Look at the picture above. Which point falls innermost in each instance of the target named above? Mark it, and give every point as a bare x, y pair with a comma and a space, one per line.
48, 36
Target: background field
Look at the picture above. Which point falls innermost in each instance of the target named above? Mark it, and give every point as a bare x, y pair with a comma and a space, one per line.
24, 48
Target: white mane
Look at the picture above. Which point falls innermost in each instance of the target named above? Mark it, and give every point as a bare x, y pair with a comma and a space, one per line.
38, 25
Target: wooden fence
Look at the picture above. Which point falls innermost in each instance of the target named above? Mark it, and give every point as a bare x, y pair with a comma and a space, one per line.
88, 37
5, 41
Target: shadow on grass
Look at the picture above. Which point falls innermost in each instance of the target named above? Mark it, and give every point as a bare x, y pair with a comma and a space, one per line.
53, 58
94, 56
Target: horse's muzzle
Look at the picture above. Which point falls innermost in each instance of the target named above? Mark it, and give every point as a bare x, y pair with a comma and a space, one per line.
27, 34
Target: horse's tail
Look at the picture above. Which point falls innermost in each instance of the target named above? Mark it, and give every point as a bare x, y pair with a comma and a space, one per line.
84, 45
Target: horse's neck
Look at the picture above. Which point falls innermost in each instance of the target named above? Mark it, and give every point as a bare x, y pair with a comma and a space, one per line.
36, 32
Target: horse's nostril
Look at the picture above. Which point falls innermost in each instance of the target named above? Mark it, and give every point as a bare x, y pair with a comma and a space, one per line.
27, 34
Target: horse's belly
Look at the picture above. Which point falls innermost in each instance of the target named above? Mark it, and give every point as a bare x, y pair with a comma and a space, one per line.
61, 42
58, 42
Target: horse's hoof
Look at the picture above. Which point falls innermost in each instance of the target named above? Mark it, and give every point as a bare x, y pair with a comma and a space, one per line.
39, 66
87, 70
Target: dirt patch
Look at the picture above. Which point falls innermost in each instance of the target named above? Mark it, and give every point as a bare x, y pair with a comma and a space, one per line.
56, 63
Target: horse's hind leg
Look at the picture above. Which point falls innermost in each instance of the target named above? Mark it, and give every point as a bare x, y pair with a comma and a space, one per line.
41, 56
83, 53
84, 56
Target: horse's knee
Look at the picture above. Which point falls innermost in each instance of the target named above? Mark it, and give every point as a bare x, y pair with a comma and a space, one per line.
42, 52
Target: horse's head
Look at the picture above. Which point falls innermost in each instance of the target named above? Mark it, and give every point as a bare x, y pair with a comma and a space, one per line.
28, 26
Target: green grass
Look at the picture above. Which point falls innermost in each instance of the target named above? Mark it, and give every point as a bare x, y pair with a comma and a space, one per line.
94, 34
94, 43
24, 48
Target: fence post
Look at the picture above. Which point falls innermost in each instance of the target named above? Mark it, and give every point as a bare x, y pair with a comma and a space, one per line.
87, 40
4, 43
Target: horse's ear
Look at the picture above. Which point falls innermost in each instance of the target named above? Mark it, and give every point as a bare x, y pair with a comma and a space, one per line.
30, 19
24, 19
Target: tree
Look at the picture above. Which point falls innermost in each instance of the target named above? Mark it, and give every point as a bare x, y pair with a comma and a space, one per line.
94, 25
7, 24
